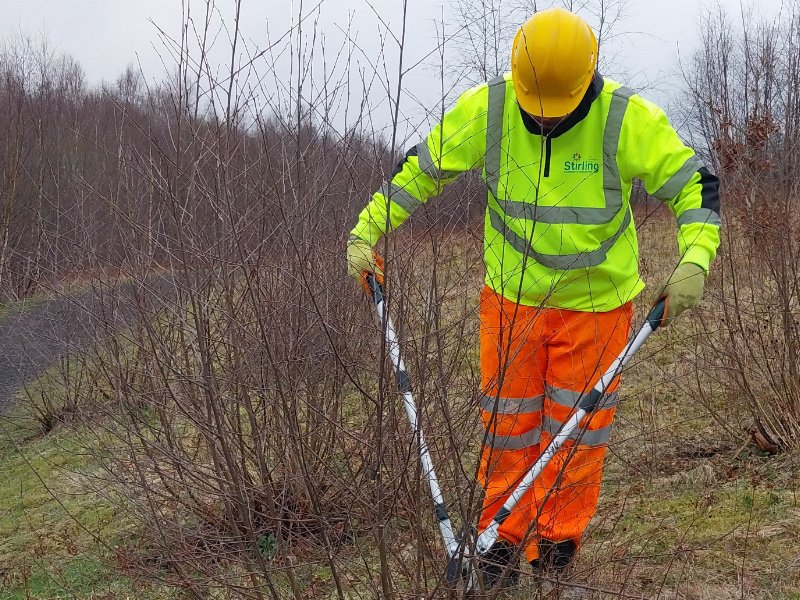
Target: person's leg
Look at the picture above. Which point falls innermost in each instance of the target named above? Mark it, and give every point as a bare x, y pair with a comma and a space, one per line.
512, 379
580, 348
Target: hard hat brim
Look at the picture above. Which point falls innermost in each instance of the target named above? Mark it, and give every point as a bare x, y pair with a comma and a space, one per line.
548, 107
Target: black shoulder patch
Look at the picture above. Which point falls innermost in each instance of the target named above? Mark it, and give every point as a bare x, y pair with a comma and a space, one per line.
710, 191
401, 164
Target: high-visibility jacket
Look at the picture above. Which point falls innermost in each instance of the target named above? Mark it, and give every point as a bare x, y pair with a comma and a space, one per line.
559, 229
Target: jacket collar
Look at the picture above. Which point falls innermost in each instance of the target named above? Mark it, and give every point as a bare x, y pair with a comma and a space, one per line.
575, 117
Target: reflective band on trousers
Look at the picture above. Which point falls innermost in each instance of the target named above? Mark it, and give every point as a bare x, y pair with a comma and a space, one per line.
514, 442
588, 437
570, 399
512, 406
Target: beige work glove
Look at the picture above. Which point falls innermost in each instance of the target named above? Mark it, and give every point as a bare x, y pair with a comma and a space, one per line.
361, 261
682, 290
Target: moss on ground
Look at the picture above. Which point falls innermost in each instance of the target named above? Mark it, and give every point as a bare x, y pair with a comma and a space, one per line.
57, 536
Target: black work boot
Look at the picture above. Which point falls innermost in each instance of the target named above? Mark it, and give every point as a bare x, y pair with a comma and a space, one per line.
498, 567
554, 556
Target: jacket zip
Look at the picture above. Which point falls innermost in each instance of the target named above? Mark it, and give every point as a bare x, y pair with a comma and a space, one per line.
547, 150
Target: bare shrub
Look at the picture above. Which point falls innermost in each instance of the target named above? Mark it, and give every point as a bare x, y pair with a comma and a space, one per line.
744, 83
240, 407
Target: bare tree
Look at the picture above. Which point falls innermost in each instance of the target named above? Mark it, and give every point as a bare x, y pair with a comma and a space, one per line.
745, 106
485, 29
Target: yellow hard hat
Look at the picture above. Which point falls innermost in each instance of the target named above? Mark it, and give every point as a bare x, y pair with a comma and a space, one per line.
552, 62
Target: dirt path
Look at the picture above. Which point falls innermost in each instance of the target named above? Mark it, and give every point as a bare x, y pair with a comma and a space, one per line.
37, 333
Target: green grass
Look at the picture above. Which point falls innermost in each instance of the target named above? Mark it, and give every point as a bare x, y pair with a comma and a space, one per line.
12, 308
702, 527
57, 536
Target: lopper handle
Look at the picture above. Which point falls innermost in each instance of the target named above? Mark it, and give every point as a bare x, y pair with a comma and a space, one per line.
655, 318
373, 286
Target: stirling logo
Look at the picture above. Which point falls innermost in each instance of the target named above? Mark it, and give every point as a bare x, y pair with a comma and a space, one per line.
578, 164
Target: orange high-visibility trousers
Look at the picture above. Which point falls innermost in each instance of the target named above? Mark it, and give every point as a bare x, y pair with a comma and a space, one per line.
535, 364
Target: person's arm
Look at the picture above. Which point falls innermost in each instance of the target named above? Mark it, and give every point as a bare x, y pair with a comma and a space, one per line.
673, 173
454, 146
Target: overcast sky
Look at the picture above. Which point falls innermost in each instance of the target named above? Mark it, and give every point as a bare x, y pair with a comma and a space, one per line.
107, 35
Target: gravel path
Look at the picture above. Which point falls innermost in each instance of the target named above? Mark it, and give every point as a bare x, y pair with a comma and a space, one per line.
37, 333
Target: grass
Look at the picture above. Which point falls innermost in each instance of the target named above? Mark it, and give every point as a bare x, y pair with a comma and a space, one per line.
709, 526
57, 536
18, 306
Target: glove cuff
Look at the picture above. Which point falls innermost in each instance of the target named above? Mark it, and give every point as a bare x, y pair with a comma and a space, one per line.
354, 239
700, 268
697, 255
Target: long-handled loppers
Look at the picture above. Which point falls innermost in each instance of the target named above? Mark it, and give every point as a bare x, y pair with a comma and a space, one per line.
458, 565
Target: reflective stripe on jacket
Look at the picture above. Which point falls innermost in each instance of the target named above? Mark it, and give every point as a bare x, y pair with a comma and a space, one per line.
559, 230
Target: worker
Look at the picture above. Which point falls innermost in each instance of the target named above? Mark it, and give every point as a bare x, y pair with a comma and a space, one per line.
558, 146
